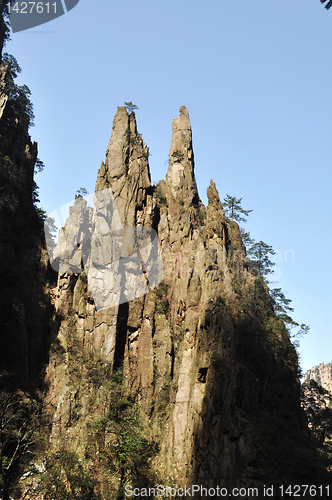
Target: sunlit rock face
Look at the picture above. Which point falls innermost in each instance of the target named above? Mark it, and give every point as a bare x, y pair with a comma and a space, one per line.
322, 374
120, 262
162, 290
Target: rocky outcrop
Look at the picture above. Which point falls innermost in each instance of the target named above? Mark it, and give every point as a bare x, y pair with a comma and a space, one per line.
214, 373
3, 94
321, 374
126, 169
316, 402
180, 178
25, 308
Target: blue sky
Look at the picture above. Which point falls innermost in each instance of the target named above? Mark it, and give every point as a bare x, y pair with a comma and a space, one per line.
255, 77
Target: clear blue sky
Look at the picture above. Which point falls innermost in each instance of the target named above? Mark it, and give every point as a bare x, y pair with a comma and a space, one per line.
255, 76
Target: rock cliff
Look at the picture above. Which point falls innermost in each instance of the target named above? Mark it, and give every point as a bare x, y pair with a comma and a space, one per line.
316, 400
25, 305
159, 354
202, 353
321, 374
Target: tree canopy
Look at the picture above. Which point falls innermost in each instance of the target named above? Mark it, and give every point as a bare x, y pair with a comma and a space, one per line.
260, 263
259, 258
82, 191
233, 209
19, 95
4, 25
130, 107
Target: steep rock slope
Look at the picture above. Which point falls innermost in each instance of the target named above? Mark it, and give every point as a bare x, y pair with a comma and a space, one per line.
322, 374
316, 400
210, 365
24, 306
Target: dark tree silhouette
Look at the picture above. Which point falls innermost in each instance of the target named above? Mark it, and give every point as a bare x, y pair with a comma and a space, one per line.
328, 4
4, 25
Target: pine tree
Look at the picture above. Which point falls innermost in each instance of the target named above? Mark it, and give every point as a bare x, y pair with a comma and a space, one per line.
4, 25
82, 191
245, 235
233, 209
130, 107
282, 308
259, 259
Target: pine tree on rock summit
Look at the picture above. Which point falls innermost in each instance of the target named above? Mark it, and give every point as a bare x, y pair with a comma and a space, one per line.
130, 107
234, 210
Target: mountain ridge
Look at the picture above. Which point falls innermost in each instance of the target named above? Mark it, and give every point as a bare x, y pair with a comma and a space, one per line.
194, 381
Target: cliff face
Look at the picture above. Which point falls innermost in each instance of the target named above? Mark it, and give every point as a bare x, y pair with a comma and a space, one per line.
202, 353
316, 400
321, 374
25, 307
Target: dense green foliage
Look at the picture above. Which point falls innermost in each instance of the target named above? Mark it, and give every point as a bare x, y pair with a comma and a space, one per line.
4, 25
23, 421
118, 439
62, 476
19, 95
161, 196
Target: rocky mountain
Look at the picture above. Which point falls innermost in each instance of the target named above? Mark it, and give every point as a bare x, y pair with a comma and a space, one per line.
144, 351
322, 374
24, 273
316, 400
202, 354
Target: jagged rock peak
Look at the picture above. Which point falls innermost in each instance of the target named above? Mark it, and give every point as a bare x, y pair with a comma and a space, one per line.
180, 178
126, 168
67, 257
322, 374
213, 195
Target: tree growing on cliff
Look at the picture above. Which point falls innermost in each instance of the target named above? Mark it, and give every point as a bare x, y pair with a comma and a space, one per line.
82, 191
63, 477
4, 24
259, 259
246, 238
117, 436
20, 434
233, 209
130, 107
19, 95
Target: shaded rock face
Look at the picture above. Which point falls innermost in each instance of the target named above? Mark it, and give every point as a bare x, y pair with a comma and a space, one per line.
217, 382
314, 399
316, 402
25, 308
